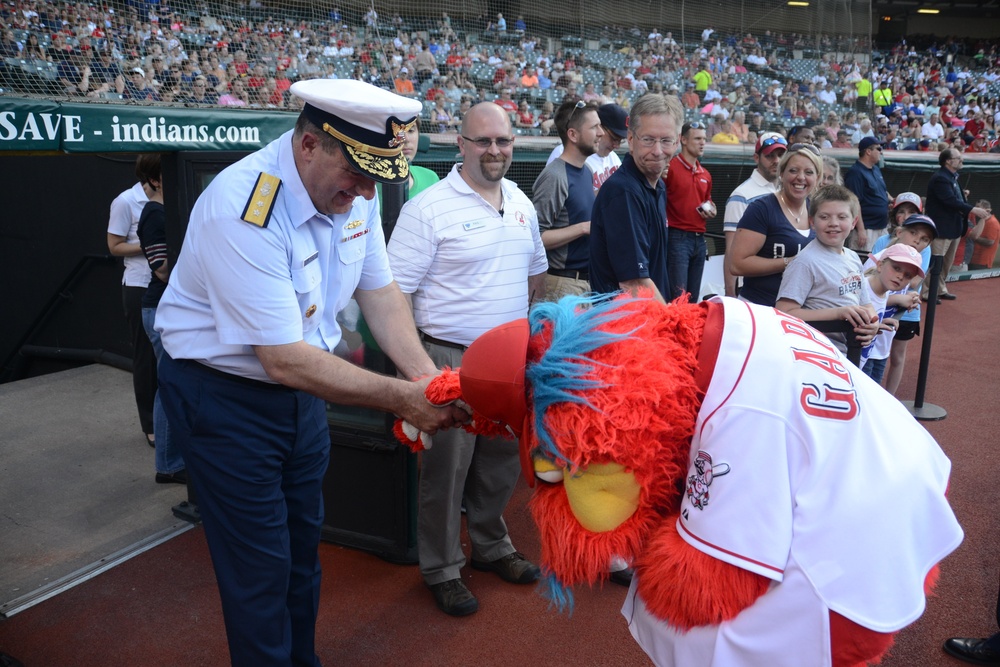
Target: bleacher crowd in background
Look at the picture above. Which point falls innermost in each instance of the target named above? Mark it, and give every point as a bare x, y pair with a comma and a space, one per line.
920, 95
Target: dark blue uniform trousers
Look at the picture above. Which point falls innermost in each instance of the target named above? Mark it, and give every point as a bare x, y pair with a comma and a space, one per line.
256, 454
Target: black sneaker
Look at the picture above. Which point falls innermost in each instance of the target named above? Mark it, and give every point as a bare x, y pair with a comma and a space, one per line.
513, 568
453, 598
622, 577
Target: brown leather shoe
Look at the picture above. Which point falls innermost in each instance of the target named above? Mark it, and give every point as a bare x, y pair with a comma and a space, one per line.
513, 568
453, 598
976, 651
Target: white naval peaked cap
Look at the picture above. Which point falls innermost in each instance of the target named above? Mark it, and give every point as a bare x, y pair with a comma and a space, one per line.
369, 121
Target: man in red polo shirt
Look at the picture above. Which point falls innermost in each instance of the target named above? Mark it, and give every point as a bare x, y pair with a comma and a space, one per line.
689, 206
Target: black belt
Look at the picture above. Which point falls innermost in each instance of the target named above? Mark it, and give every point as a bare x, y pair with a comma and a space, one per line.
443, 343
569, 273
674, 230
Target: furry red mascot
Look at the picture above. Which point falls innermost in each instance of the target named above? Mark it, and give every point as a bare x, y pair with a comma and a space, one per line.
779, 506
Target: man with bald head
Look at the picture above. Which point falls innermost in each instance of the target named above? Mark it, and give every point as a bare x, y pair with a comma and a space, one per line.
468, 253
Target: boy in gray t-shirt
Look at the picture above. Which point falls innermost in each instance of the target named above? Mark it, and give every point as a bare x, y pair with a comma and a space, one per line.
824, 281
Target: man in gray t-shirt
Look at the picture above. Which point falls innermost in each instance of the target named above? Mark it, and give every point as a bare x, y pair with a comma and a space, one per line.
563, 196
824, 281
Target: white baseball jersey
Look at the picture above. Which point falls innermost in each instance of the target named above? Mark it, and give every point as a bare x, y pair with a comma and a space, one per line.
804, 471
602, 167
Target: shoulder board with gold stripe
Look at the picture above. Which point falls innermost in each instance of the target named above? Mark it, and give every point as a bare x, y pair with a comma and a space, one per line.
261, 202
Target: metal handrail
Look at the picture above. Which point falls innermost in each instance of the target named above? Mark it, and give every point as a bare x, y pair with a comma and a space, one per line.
13, 363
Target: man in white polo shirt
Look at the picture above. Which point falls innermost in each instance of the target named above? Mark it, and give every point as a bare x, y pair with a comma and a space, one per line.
468, 252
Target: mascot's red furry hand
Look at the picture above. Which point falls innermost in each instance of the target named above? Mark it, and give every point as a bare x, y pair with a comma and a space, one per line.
443, 390
736, 457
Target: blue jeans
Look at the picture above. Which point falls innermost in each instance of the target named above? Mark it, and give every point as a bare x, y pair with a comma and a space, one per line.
874, 368
685, 262
168, 457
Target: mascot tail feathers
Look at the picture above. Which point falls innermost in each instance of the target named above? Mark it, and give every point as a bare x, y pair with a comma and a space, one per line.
558, 595
712, 591
853, 645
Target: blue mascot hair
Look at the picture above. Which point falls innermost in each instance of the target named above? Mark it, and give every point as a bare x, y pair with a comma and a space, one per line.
562, 369
558, 595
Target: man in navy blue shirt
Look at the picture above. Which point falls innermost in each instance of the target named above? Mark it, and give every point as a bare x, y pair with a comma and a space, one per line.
628, 232
865, 180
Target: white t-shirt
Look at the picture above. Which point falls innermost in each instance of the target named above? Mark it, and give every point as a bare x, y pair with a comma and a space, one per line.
124, 221
880, 345
932, 132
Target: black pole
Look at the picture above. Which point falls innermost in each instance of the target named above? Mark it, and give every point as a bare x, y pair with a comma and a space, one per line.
917, 407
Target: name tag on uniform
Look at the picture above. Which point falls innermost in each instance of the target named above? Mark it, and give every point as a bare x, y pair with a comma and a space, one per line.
475, 224
310, 258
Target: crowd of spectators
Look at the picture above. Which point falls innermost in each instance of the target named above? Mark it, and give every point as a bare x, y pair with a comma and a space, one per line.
917, 97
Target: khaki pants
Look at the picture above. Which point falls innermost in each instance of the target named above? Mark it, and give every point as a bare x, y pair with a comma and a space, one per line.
947, 248
556, 287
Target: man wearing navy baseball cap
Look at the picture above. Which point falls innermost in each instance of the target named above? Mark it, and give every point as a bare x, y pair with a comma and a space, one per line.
865, 180
276, 246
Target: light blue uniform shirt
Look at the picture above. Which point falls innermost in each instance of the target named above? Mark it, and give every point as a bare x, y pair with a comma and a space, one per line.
237, 284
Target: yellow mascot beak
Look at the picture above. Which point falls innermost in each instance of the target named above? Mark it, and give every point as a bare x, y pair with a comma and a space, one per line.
602, 495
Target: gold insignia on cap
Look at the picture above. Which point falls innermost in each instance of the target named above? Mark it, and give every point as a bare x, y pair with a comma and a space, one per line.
399, 131
354, 224
261, 202
311, 310
351, 142
393, 169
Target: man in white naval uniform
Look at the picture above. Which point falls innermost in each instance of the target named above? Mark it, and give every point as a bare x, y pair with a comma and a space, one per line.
276, 246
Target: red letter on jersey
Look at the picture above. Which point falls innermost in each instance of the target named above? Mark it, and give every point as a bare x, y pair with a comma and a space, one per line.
800, 328
831, 365
839, 404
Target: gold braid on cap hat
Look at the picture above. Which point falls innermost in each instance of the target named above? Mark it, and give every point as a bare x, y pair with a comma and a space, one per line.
357, 145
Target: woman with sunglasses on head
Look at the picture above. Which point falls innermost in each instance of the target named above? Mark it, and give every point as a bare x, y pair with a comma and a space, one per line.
775, 227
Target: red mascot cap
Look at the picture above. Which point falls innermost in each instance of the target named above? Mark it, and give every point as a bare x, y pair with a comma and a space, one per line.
492, 381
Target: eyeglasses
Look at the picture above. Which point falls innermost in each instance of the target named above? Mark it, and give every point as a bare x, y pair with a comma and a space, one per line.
665, 143
695, 126
794, 148
486, 142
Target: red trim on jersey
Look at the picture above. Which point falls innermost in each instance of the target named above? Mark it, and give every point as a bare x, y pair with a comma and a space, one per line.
727, 551
711, 341
716, 342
